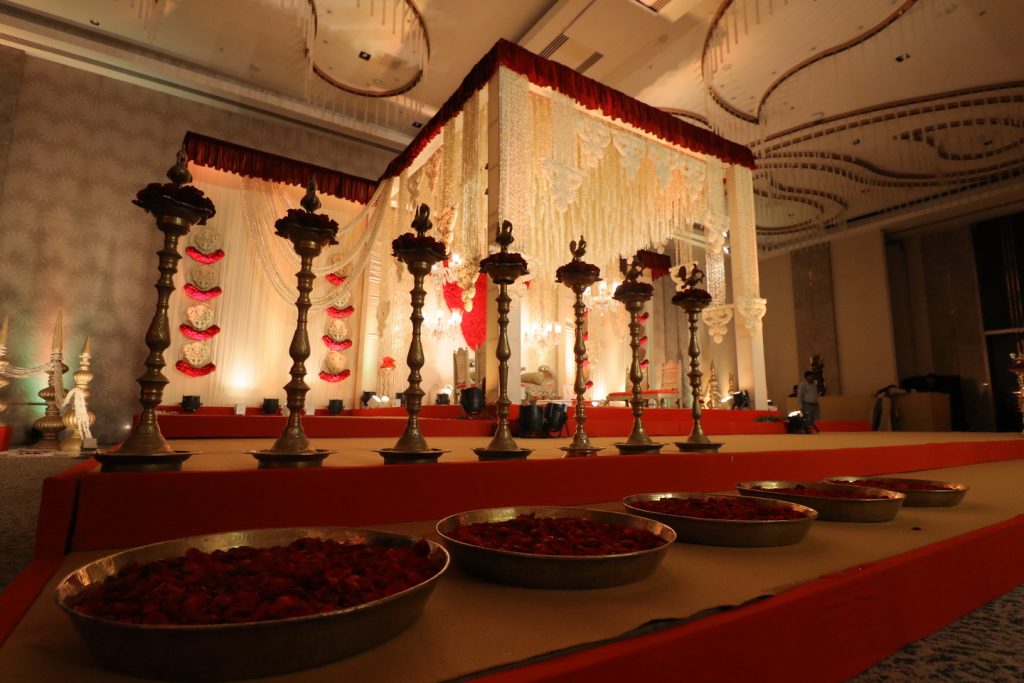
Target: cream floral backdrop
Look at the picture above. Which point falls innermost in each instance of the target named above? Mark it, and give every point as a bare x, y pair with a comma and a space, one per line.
78, 146
257, 318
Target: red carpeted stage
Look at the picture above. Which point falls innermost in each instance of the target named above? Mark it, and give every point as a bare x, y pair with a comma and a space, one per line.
221, 422
932, 572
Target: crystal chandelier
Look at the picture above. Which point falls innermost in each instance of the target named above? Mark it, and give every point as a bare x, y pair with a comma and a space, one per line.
544, 335
444, 327
599, 298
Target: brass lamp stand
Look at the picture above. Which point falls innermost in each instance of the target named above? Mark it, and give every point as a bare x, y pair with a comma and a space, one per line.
176, 206
577, 275
693, 300
309, 232
419, 253
504, 268
634, 294
76, 440
51, 424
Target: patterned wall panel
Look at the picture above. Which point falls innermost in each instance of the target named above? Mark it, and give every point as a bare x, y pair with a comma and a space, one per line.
81, 145
815, 312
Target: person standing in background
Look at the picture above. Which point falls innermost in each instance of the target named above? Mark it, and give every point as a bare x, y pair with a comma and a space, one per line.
807, 394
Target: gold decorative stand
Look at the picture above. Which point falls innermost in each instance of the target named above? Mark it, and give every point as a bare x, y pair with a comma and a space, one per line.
51, 424
693, 300
419, 253
634, 294
309, 232
75, 441
176, 207
504, 268
577, 275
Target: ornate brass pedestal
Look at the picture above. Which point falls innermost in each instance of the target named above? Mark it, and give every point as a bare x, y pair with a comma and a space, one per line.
693, 300
634, 294
176, 207
309, 233
51, 424
74, 442
504, 269
419, 253
577, 275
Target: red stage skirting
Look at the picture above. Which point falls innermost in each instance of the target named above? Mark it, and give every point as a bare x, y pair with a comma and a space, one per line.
813, 625
221, 422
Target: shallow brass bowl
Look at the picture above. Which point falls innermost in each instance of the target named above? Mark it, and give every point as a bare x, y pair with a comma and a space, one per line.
880, 509
951, 493
230, 651
746, 533
554, 571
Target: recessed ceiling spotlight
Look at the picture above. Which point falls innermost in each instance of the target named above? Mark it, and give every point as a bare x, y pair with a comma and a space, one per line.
855, 141
903, 57
417, 124
365, 56
94, 22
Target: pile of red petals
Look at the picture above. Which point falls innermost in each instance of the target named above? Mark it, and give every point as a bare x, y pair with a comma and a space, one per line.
335, 376
201, 294
725, 507
890, 485
244, 584
186, 369
557, 536
815, 492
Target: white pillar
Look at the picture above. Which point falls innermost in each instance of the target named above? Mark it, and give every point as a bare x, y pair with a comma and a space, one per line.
495, 214
749, 306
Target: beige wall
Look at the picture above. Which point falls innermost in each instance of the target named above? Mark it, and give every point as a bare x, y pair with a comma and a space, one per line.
780, 348
867, 353
74, 149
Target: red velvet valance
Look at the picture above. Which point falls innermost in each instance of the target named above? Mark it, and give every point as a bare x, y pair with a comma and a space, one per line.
245, 161
587, 92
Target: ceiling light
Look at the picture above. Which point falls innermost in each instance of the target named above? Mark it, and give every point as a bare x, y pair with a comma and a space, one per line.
94, 22
855, 141
365, 56
903, 57
417, 124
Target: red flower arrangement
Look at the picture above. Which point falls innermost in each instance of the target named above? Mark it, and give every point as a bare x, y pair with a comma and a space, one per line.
815, 492
186, 369
244, 584
387, 362
188, 196
891, 485
336, 346
577, 269
335, 279
198, 335
201, 294
205, 259
335, 377
503, 258
633, 288
336, 312
320, 222
474, 322
700, 296
719, 507
571, 536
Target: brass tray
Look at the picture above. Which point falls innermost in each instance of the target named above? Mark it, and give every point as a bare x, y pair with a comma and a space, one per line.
554, 571
952, 494
880, 509
745, 533
231, 651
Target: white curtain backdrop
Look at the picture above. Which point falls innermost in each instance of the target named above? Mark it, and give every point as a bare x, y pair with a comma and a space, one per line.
256, 321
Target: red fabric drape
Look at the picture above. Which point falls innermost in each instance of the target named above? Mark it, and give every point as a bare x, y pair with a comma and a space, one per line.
245, 161
660, 264
586, 91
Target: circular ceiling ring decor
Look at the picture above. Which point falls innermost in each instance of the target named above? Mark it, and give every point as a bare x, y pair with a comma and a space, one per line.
371, 48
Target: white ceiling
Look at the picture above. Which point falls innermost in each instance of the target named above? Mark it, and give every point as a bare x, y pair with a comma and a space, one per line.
853, 108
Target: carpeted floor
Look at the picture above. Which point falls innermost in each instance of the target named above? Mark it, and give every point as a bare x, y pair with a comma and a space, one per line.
983, 646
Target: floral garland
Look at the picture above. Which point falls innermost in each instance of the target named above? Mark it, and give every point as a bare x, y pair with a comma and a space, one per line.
474, 318
199, 326
335, 336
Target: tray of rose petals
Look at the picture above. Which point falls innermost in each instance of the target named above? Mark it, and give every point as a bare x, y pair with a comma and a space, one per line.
247, 604
834, 502
714, 519
555, 547
921, 493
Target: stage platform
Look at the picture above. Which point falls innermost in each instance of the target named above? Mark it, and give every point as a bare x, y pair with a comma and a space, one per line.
846, 597
221, 422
